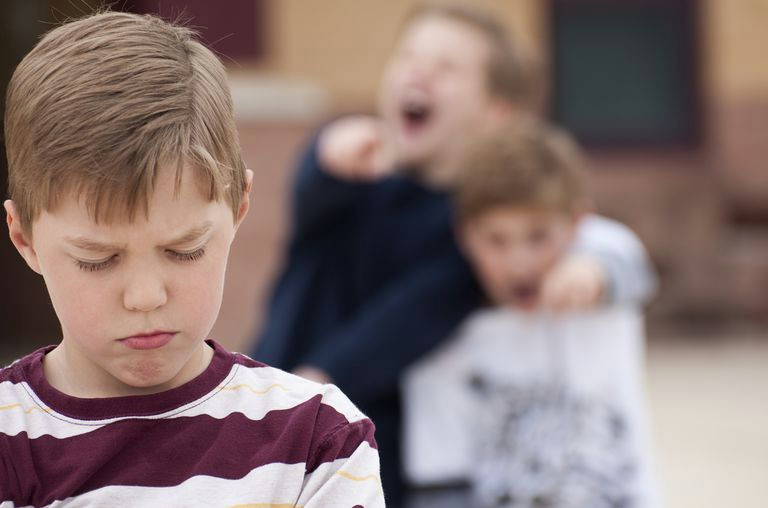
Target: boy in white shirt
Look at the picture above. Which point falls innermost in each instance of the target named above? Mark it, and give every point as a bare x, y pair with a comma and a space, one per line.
537, 401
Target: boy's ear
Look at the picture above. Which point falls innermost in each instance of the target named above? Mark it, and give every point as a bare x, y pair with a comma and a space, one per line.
245, 201
19, 238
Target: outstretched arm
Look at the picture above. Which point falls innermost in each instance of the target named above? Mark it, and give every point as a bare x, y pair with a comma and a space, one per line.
345, 156
629, 274
319, 198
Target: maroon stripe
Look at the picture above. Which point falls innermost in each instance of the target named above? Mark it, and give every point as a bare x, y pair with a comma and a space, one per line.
343, 442
162, 453
15, 372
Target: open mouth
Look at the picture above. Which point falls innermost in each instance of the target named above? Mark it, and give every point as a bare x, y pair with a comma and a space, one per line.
525, 294
416, 114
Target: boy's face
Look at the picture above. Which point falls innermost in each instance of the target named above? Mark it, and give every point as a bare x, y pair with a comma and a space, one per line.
512, 250
435, 89
135, 300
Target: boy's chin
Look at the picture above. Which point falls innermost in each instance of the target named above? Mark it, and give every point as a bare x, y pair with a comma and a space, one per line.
528, 305
417, 147
413, 154
519, 304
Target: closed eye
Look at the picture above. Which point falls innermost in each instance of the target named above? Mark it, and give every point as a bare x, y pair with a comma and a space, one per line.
94, 266
187, 256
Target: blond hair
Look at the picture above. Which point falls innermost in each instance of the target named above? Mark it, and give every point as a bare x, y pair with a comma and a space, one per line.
510, 73
102, 103
526, 165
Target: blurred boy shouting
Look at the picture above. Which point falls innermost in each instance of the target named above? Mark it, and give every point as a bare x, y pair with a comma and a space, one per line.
373, 278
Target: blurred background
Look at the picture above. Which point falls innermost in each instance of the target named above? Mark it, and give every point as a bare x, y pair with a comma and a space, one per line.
669, 96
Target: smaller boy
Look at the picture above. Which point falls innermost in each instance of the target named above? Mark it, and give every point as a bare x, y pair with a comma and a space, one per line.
537, 400
126, 189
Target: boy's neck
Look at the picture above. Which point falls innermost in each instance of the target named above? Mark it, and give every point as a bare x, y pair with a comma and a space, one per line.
92, 382
434, 174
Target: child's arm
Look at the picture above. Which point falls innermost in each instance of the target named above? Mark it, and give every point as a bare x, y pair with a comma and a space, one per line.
334, 174
608, 264
578, 282
366, 355
344, 470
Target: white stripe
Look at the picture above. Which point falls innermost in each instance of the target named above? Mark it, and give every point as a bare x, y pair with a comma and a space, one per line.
272, 484
344, 482
250, 391
288, 390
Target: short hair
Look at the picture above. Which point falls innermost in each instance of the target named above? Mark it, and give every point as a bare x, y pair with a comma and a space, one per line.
526, 165
101, 103
510, 73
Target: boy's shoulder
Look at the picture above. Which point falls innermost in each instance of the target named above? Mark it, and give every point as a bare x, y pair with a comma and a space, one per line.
281, 389
600, 230
16, 372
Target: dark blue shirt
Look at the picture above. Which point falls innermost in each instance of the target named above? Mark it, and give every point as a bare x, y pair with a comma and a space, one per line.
372, 280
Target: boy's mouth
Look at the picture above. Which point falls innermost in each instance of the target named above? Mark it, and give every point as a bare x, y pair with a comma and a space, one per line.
150, 340
524, 295
416, 112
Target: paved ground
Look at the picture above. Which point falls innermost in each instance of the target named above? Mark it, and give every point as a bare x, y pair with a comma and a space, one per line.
708, 394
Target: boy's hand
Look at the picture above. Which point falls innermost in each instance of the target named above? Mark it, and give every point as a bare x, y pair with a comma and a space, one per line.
357, 148
577, 283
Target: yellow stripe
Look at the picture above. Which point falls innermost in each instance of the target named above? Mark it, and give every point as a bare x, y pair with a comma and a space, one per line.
27, 411
254, 390
354, 478
266, 505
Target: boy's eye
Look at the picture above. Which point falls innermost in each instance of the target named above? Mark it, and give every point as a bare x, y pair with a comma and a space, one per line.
496, 240
187, 256
94, 266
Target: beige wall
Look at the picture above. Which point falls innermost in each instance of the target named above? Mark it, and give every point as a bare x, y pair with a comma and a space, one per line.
736, 77
343, 44
735, 43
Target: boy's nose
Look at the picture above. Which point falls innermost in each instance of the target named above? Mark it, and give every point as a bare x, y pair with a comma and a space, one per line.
418, 73
520, 263
144, 293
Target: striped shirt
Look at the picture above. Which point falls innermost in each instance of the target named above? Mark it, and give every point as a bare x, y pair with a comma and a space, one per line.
240, 434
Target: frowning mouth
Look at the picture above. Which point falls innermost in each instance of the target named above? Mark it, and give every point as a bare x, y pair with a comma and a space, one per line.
149, 340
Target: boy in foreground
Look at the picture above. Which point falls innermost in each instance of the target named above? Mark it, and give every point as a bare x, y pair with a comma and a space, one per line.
527, 406
126, 189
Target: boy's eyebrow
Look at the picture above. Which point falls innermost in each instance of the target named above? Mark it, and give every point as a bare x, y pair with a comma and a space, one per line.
192, 234
93, 245
84, 243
